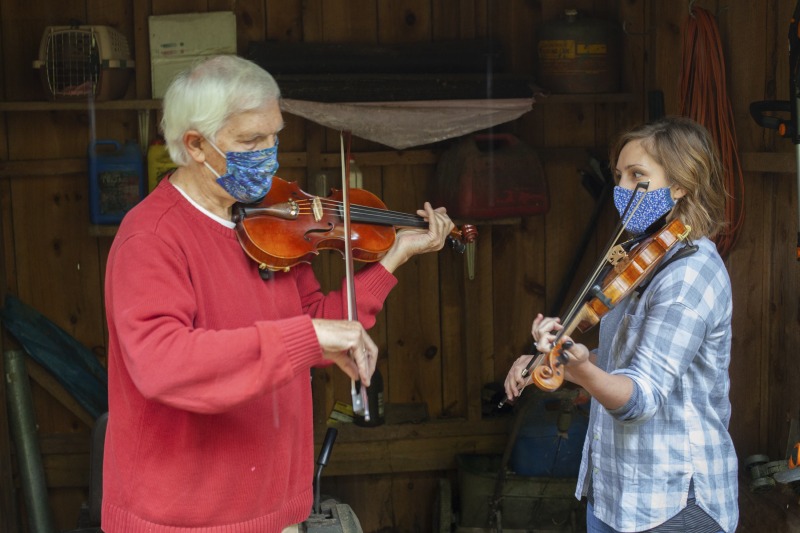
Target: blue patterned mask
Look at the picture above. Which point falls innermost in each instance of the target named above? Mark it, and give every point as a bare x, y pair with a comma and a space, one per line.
248, 176
655, 205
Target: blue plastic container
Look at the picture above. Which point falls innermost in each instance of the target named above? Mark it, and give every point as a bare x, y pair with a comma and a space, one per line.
550, 439
117, 180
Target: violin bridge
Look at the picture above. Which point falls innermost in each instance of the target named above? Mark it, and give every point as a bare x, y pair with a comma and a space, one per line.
316, 208
616, 254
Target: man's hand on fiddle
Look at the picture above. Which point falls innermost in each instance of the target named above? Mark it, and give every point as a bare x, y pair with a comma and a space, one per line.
346, 343
412, 241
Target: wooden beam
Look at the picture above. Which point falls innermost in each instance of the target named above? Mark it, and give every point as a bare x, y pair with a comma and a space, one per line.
79, 165
408, 455
110, 105
43, 167
428, 446
778, 163
46, 380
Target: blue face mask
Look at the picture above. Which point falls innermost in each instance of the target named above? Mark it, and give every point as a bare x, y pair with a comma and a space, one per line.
655, 205
248, 176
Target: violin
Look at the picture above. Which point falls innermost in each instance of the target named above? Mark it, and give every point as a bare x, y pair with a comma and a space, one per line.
627, 271
290, 226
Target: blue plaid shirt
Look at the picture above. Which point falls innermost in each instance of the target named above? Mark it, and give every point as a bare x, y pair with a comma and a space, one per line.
674, 342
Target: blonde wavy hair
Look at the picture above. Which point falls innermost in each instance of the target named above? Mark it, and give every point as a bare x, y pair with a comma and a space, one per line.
689, 156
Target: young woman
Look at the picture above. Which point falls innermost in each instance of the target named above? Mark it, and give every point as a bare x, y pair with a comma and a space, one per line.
658, 456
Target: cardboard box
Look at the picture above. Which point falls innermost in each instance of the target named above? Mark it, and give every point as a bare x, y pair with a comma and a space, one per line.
178, 41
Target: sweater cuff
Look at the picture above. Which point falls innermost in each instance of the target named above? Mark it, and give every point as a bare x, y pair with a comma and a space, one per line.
300, 343
377, 280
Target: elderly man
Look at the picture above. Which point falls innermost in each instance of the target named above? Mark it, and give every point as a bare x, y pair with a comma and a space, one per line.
210, 412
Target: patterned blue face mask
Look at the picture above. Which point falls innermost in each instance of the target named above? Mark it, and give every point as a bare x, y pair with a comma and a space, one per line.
655, 205
248, 176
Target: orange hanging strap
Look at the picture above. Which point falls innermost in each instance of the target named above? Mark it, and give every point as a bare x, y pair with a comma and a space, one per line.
704, 98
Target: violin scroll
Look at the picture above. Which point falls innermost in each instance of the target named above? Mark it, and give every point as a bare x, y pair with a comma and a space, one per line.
549, 376
459, 239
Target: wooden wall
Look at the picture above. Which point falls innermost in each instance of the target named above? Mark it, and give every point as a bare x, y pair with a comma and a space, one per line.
442, 336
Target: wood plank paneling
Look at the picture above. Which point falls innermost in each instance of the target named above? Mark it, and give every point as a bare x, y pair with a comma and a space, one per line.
749, 289
279, 20
23, 24
171, 7
456, 19
412, 309
403, 22
782, 297
442, 336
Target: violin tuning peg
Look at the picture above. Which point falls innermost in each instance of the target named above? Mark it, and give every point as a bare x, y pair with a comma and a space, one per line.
456, 245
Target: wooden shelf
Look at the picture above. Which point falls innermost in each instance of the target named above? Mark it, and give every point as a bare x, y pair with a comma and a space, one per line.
420, 447
144, 108
82, 105
103, 230
151, 105
593, 98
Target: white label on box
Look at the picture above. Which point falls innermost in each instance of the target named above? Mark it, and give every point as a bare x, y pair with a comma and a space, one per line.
178, 41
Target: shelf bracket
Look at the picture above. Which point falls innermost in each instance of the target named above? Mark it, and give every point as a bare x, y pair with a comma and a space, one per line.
144, 129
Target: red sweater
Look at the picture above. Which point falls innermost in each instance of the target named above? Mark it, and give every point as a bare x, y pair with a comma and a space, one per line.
210, 412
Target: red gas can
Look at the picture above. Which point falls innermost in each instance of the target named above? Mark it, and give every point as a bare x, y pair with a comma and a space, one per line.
489, 176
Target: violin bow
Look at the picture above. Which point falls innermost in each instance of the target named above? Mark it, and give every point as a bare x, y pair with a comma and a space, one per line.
360, 402
627, 214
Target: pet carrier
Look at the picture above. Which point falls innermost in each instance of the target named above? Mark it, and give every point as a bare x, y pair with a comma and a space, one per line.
84, 62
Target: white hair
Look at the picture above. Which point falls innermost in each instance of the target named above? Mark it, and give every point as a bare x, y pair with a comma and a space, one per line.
203, 97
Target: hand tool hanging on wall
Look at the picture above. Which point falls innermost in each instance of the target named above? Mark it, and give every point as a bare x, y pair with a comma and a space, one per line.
761, 110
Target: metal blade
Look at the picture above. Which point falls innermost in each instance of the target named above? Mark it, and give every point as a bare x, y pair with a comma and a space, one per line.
358, 400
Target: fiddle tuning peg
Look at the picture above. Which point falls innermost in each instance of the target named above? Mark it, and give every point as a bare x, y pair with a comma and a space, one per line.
469, 235
455, 244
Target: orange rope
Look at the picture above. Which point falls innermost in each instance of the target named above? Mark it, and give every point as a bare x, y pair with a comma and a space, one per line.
704, 98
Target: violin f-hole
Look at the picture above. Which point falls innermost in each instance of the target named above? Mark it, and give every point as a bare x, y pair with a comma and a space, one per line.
307, 234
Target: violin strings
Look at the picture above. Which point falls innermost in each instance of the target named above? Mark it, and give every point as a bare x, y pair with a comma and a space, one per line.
580, 298
359, 216
372, 210
376, 213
